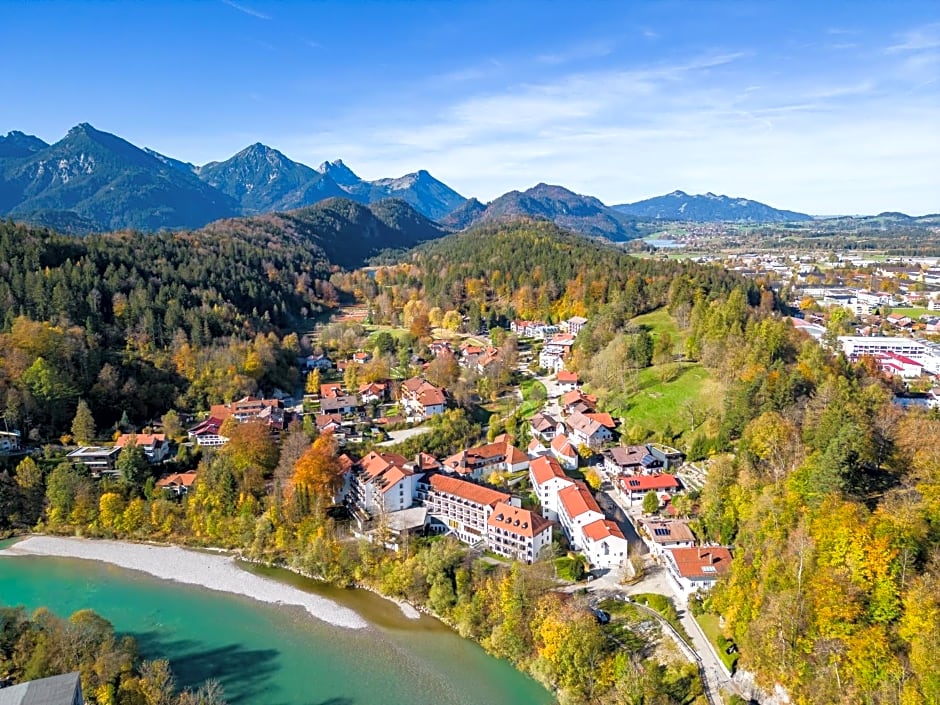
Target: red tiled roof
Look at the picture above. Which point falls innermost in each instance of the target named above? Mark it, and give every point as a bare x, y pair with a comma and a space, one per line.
467, 490
331, 390
180, 479
545, 468
518, 521
561, 444
143, 439
602, 529
577, 499
566, 377
603, 419
693, 562
645, 483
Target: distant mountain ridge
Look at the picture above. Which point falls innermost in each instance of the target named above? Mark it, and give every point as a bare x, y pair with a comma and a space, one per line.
95, 181
708, 208
581, 214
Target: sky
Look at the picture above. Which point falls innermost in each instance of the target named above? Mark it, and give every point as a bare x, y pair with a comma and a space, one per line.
821, 107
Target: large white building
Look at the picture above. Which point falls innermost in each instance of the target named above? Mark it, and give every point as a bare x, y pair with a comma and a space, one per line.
547, 479
857, 346
588, 530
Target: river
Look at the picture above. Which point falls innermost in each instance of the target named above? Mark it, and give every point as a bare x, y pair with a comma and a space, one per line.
272, 654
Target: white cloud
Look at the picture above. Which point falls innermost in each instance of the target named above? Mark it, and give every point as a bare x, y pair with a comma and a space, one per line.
246, 10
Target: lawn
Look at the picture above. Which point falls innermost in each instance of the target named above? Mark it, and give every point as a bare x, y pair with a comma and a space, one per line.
659, 321
659, 404
913, 312
709, 624
570, 569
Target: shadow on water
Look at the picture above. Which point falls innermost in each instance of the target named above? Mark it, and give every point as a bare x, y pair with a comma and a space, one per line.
245, 674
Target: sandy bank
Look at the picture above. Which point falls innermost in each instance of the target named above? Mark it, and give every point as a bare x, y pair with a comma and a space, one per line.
215, 572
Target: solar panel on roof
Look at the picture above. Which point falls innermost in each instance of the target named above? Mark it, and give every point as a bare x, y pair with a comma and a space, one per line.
633, 483
661, 532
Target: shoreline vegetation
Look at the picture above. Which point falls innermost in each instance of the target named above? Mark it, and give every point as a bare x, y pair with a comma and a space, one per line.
218, 572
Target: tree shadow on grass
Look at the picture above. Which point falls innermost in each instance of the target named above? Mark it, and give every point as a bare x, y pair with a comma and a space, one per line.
245, 674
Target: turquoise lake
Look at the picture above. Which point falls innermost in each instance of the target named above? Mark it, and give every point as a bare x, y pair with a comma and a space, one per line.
275, 655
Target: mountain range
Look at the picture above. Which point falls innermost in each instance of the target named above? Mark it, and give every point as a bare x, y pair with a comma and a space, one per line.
95, 181
708, 208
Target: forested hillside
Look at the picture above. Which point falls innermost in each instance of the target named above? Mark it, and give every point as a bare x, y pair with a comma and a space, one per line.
529, 269
132, 322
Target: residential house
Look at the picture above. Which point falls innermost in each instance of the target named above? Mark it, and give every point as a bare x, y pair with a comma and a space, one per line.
342, 404
574, 325
331, 390
669, 457
177, 484
361, 358
604, 544
100, 461
374, 392
661, 534
245, 409
588, 530
318, 362
206, 433
380, 483
421, 399
459, 507
154, 445
440, 347
9, 441
554, 351
543, 427
518, 533
576, 400
547, 479
693, 569
500, 455
424, 463
629, 460
535, 449
591, 430
636, 486
564, 452
568, 381
332, 423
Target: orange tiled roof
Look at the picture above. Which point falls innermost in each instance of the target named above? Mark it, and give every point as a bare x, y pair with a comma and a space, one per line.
545, 468
143, 439
577, 500
602, 529
517, 521
692, 562
467, 490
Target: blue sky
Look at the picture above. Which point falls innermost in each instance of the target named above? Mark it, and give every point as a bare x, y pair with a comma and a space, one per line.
823, 107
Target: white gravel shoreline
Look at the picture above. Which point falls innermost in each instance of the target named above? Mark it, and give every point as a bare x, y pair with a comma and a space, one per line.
215, 572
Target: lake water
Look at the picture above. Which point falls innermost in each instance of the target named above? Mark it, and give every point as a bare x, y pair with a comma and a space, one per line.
275, 655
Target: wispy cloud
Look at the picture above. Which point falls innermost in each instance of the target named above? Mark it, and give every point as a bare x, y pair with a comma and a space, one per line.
919, 39
246, 10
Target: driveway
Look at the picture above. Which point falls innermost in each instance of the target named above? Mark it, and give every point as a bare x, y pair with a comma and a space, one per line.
404, 435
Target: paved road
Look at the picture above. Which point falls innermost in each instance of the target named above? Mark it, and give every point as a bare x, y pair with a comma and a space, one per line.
404, 434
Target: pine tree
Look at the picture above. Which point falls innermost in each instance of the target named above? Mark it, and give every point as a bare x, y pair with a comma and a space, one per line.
83, 425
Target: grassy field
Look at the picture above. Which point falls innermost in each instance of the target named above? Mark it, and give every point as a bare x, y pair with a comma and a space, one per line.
659, 321
709, 625
914, 312
659, 404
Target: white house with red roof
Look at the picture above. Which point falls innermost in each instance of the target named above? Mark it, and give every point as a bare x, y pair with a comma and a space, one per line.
177, 484
206, 433
588, 530
518, 533
661, 534
547, 479
590, 429
421, 399
694, 569
154, 445
500, 455
564, 452
663, 484
568, 381
382, 483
